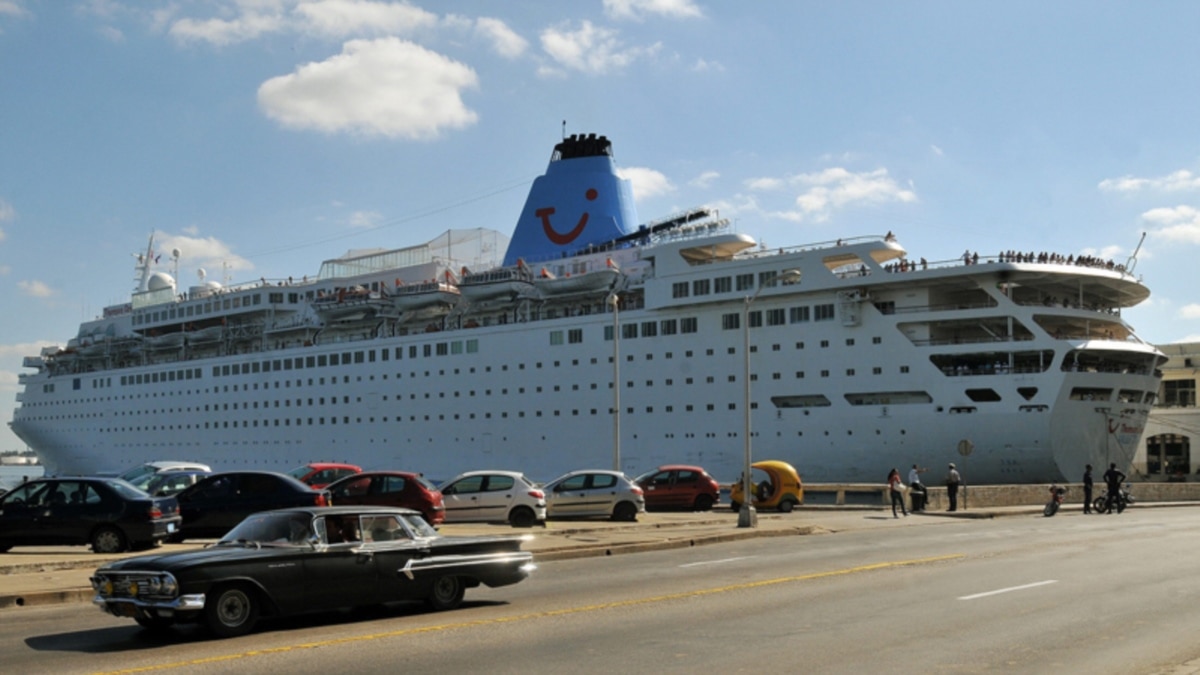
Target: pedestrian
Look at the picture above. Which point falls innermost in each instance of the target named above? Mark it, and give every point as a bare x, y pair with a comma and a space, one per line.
1113, 480
896, 488
953, 479
1087, 489
916, 488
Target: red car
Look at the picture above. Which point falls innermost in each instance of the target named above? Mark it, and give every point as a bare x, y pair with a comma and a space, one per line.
320, 474
679, 486
391, 488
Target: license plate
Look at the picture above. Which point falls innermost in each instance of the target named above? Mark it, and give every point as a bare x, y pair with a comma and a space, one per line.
126, 609
170, 527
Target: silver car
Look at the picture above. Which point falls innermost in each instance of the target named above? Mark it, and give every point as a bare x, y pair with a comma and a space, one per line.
594, 493
493, 497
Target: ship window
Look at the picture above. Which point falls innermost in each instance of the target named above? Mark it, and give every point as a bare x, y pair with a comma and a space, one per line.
823, 312
1091, 394
745, 282
775, 317
575, 336
824, 373
983, 395
310, 362
649, 328
668, 327
427, 350
801, 401
679, 289
412, 351
877, 370
556, 337
888, 398
824, 344
798, 314
322, 360
756, 319
608, 333
629, 331
731, 321
700, 287
456, 347
358, 357
688, 325
722, 285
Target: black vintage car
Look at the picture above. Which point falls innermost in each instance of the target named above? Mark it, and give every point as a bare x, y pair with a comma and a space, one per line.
292, 561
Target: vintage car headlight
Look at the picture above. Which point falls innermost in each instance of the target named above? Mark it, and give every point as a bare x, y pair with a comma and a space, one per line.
169, 585
133, 589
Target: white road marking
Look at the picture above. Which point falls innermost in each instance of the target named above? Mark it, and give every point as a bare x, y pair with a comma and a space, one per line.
1006, 590
716, 562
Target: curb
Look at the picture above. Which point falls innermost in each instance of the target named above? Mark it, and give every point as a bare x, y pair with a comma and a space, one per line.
40, 598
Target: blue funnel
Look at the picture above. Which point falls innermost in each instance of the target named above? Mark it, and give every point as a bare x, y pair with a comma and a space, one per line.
579, 203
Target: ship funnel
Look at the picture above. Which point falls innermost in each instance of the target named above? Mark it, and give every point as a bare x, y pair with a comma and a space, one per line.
579, 203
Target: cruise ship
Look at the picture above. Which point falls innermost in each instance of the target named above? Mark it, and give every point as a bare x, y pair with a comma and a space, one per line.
597, 341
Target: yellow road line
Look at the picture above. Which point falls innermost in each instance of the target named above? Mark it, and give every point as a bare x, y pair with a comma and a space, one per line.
539, 615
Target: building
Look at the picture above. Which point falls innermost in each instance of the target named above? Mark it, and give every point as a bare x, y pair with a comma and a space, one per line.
1165, 451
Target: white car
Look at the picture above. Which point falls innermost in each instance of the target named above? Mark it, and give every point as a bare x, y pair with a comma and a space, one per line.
139, 476
493, 497
594, 493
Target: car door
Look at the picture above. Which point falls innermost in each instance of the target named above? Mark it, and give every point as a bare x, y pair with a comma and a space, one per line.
394, 551
462, 499
205, 507
70, 517
497, 496
659, 490
343, 571
19, 513
569, 497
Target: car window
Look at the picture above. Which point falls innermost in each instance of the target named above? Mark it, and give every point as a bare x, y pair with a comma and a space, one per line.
424, 482
574, 482
29, 493
465, 486
342, 529
661, 478
340, 473
688, 477
124, 489
499, 483
391, 484
382, 528
217, 488
68, 492
354, 488
260, 484
603, 480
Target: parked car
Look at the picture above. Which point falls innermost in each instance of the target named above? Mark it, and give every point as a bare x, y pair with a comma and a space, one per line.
320, 474
139, 476
299, 560
213, 506
399, 489
679, 486
107, 513
167, 483
776, 484
594, 493
494, 497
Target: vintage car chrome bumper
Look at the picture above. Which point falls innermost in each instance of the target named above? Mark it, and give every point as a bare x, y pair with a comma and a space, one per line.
183, 603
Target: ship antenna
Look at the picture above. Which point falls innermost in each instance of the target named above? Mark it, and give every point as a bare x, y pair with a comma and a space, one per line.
143, 265
564, 130
1132, 262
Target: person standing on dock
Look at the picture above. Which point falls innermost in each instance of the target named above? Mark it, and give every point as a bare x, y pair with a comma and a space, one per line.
1087, 489
953, 480
896, 489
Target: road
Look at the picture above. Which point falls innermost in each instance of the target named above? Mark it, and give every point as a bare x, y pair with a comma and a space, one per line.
1096, 594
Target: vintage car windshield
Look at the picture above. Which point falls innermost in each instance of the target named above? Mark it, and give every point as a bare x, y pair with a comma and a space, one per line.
275, 529
419, 526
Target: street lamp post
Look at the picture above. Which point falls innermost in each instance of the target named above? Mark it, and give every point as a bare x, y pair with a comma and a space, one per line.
614, 301
748, 516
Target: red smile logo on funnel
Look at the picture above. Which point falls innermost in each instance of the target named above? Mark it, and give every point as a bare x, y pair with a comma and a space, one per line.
563, 239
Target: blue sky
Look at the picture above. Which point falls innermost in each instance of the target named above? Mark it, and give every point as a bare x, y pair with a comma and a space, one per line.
260, 137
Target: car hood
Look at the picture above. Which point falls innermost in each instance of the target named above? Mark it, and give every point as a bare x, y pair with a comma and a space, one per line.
183, 559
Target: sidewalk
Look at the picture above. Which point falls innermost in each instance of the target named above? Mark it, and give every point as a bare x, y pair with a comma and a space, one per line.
32, 576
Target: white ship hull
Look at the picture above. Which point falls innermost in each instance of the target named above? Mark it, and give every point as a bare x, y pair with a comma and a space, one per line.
857, 369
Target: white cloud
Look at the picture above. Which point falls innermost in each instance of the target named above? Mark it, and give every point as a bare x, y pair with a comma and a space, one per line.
385, 87
705, 179
646, 182
7, 212
1191, 311
1110, 252
765, 184
703, 66
503, 39
13, 9
1182, 180
342, 18
837, 188
246, 26
591, 49
36, 289
198, 252
5, 270
1181, 223
637, 9
937, 150
364, 219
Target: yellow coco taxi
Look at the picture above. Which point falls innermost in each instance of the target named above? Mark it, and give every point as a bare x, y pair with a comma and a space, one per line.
776, 486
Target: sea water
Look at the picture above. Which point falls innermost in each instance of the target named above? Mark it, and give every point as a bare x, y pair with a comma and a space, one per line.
11, 475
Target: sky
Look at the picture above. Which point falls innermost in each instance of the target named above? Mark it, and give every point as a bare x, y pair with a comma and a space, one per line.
260, 137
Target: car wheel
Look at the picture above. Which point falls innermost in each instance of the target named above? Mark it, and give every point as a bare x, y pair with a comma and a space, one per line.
786, 506
231, 611
703, 503
522, 516
447, 593
108, 540
625, 511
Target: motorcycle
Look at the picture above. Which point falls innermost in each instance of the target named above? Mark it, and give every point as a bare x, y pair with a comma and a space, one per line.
1123, 499
1056, 500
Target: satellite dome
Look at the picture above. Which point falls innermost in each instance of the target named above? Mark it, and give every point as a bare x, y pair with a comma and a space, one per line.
160, 281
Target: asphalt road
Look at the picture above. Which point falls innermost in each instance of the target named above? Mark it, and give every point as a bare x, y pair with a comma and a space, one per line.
1095, 594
